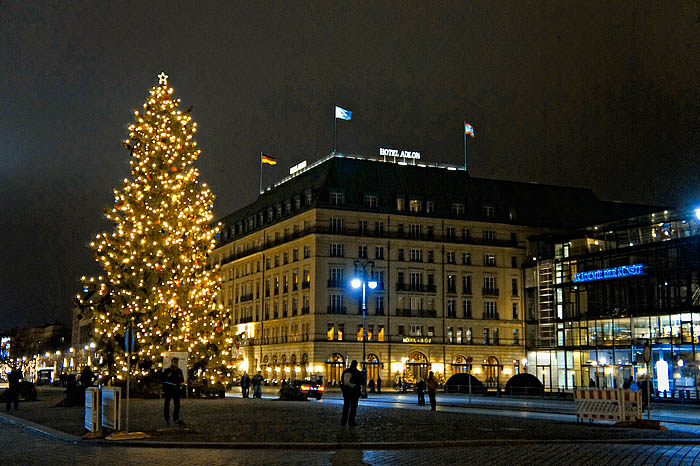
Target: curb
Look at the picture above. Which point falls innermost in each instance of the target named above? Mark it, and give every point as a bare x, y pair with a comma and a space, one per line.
39, 429
327, 446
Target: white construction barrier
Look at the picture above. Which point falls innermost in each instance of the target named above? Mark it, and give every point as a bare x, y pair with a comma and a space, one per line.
111, 408
92, 409
608, 404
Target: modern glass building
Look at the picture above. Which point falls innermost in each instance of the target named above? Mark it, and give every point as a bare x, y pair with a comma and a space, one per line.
597, 297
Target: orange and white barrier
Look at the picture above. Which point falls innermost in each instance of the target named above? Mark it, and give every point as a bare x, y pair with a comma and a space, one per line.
608, 404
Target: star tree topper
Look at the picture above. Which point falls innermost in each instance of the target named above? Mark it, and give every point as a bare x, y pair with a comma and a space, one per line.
163, 78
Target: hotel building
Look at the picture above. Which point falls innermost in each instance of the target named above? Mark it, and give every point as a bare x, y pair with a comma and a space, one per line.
448, 252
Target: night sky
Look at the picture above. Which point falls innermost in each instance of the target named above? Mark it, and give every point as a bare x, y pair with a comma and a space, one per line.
594, 94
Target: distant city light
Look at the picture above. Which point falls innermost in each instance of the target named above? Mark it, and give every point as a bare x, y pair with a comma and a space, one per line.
697, 214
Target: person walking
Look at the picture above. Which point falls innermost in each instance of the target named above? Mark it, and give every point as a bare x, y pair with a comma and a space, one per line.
379, 384
257, 385
13, 390
86, 377
172, 380
245, 384
420, 388
351, 386
370, 385
432, 385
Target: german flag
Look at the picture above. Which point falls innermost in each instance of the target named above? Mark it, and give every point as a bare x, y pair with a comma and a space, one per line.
268, 159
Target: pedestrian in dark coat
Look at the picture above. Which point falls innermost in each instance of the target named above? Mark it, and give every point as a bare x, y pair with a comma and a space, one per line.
379, 384
432, 385
245, 384
370, 385
13, 390
172, 381
257, 385
420, 388
351, 386
86, 377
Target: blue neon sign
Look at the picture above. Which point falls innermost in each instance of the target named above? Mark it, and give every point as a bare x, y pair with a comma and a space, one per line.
604, 274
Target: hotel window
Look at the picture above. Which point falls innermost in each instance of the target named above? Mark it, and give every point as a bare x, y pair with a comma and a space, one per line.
359, 332
288, 207
416, 330
337, 250
336, 225
401, 330
400, 204
459, 335
380, 333
297, 202
295, 280
370, 332
337, 198
277, 260
379, 228
516, 336
331, 331
335, 304
305, 304
468, 336
379, 305
489, 236
514, 284
450, 233
379, 277
458, 208
465, 234
490, 286
278, 208
370, 201
336, 277
399, 230
451, 308
429, 207
488, 211
269, 215
512, 215
400, 254
341, 331
364, 228
362, 251
451, 283
307, 252
430, 231
295, 254
467, 309
486, 337
431, 331
466, 284
416, 280
285, 283
449, 334
431, 256
415, 205
466, 258
285, 258
514, 262
490, 260
490, 310
379, 252
416, 255
307, 197
515, 311
295, 306
450, 257
307, 226
415, 230
399, 278
495, 336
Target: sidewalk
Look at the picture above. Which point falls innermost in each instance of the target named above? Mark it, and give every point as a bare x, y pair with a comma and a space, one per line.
236, 422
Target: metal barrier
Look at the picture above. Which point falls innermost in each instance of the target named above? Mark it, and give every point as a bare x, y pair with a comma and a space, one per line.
611, 405
92, 409
111, 408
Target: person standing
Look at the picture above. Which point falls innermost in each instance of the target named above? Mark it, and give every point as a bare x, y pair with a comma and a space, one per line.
172, 381
257, 385
370, 385
245, 384
13, 390
351, 386
379, 384
86, 377
432, 385
420, 388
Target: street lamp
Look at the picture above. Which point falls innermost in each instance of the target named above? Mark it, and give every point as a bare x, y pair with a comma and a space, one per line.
361, 279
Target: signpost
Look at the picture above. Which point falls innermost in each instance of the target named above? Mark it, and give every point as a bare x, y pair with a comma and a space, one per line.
646, 355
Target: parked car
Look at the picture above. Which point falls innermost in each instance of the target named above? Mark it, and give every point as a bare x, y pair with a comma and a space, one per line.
309, 389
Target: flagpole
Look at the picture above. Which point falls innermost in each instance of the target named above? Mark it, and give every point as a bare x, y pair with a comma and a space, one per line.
335, 123
261, 191
465, 146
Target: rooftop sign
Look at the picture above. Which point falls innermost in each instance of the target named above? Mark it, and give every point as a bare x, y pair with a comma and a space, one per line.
605, 274
404, 154
297, 167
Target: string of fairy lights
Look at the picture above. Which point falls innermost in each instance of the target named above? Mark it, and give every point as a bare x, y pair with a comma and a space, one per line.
157, 277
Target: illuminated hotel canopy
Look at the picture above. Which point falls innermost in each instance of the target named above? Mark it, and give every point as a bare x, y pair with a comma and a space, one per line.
604, 274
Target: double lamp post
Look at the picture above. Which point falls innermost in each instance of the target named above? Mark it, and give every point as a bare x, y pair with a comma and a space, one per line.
362, 278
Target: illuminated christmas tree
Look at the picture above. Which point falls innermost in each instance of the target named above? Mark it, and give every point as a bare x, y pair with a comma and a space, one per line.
155, 260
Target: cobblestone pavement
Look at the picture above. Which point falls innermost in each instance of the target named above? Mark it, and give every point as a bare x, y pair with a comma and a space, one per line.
21, 447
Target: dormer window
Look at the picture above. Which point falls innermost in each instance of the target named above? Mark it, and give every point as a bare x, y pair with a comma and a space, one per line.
488, 211
337, 198
371, 201
430, 207
415, 205
400, 204
457, 208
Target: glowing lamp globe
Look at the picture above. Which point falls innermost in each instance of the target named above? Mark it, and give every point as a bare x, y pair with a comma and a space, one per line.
356, 283
372, 284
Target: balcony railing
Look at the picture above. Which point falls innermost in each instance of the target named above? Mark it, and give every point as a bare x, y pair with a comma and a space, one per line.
246, 297
430, 288
490, 316
305, 285
304, 310
337, 310
404, 312
466, 290
490, 291
336, 283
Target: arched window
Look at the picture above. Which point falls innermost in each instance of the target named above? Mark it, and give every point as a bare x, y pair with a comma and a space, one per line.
373, 366
492, 372
417, 367
460, 366
334, 368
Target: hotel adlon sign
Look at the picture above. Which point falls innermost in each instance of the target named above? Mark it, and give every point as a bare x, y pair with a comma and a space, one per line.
404, 154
